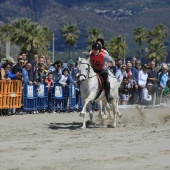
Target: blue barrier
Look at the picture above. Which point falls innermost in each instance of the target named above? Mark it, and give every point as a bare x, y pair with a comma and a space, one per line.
72, 97
42, 97
29, 98
60, 99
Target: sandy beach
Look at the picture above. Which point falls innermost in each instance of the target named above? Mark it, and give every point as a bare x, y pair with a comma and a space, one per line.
55, 141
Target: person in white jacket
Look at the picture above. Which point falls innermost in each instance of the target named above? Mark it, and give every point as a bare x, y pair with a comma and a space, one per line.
64, 77
142, 80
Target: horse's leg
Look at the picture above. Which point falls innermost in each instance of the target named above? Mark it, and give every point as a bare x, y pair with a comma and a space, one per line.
83, 112
90, 111
107, 107
102, 114
116, 111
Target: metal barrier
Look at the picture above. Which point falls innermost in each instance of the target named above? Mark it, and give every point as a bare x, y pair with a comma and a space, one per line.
10, 94
32, 98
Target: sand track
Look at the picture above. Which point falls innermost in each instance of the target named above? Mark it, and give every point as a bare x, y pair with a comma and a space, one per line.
55, 141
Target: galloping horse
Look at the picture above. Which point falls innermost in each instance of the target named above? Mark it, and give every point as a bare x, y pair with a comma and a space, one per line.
90, 88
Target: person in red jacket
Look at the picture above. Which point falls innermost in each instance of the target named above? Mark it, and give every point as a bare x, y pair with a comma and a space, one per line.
97, 60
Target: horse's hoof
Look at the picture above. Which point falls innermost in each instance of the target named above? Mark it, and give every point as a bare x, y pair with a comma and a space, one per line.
119, 114
111, 126
81, 114
104, 117
83, 127
111, 117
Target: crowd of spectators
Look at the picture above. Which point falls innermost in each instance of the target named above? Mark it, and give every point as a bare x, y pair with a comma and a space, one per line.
138, 83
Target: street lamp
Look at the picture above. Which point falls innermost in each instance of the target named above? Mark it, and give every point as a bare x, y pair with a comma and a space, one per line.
53, 45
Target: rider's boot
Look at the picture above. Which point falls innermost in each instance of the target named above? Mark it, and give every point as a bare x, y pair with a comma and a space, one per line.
107, 92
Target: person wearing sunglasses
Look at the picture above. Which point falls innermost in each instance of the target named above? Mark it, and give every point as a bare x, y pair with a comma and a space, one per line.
17, 69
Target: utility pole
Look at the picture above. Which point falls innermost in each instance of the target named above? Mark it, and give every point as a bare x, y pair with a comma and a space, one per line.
53, 44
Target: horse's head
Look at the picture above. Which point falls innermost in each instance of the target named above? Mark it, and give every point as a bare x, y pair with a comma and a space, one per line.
83, 67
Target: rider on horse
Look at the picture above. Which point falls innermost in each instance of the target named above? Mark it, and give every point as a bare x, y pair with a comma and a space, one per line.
97, 60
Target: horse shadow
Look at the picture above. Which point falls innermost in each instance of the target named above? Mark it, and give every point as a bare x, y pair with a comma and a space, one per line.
71, 125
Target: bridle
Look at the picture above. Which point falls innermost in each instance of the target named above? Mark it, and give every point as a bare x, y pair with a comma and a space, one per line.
88, 72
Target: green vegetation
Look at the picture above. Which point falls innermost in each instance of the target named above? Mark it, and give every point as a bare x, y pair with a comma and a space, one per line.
113, 18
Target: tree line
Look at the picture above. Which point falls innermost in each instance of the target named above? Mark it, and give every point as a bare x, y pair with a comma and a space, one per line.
34, 38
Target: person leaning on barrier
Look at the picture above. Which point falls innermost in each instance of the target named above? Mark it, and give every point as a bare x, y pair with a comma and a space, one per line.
5, 71
11, 62
64, 78
34, 68
18, 68
26, 72
56, 70
71, 74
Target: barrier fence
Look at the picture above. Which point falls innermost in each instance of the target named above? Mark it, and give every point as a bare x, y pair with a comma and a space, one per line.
38, 98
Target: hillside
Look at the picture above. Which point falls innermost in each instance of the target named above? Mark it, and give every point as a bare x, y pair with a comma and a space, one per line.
111, 16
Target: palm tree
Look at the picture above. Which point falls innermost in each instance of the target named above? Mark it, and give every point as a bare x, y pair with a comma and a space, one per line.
5, 32
158, 33
71, 35
117, 47
140, 35
156, 51
93, 34
31, 37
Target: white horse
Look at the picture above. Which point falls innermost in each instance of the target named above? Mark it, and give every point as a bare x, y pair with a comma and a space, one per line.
90, 87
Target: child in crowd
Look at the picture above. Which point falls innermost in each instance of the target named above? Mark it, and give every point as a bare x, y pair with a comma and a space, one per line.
124, 91
49, 81
64, 77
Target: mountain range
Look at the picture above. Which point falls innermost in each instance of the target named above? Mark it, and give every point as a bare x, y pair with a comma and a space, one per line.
113, 17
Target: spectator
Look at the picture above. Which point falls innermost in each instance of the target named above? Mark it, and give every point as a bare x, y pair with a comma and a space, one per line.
34, 68
41, 60
72, 73
152, 79
48, 63
120, 73
41, 73
18, 68
56, 70
124, 91
133, 60
49, 80
7, 60
5, 71
142, 80
118, 64
26, 73
162, 79
63, 80
128, 71
10, 61
135, 76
